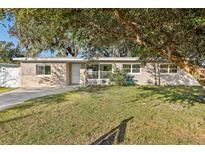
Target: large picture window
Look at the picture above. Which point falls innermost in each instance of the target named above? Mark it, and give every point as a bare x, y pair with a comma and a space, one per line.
93, 71
105, 70
99, 71
43, 70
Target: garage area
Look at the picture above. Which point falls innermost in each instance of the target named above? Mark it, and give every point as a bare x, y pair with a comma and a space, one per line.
10, 75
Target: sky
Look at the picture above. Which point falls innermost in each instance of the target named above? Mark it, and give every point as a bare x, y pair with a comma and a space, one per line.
4, 36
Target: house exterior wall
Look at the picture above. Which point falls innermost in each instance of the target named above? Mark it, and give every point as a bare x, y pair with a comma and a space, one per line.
179, 78
147, 76
59, 75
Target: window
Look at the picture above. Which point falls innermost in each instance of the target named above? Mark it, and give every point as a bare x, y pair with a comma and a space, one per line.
132, 68
127, 68
105, 70
93, 71
172, 68
43, 69
168, 68
164, 68
136, 68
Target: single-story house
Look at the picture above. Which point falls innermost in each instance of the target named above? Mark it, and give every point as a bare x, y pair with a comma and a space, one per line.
56, 71
9, 75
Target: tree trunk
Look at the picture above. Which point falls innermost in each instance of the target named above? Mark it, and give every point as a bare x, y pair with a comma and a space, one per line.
174, 56
197, 72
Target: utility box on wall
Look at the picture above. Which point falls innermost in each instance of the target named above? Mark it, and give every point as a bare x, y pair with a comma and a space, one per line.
10, 75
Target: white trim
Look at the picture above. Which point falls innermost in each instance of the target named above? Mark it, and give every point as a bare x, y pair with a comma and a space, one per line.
43, 75
131, 68
105, 71
168, 68
65, 59
139, 68
87, 65
99, 74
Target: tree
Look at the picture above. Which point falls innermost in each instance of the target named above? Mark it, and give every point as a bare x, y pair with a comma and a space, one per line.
8, 51
175, 34
41, 32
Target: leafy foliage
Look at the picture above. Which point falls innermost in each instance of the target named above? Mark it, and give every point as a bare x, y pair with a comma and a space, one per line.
69, 30
121, 78
8, 51
176, 34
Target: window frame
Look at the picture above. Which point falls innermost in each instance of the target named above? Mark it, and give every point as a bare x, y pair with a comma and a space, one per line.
131, 68
105, 71
93, 71
173, 69
168, 69
99, 70
137, 68
44, 70
127, 68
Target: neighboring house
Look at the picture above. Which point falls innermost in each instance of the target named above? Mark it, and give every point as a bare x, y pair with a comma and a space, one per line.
46, 72
9, 75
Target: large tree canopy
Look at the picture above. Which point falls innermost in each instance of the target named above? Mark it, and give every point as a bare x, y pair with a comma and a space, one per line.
177, 34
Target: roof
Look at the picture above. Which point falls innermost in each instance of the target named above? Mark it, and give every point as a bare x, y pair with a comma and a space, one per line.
8, 65
65, 59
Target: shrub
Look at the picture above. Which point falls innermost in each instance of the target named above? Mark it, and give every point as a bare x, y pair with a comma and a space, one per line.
121, 78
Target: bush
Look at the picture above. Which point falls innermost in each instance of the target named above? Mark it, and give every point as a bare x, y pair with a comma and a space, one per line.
121, 78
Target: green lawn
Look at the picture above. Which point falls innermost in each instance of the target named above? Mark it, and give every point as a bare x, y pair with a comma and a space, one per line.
2, 89
109, 115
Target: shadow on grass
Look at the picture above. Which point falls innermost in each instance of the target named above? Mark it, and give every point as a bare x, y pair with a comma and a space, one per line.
19, 117
116, 135
190, 95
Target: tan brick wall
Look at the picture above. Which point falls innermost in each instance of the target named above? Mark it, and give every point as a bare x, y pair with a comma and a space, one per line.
59, 75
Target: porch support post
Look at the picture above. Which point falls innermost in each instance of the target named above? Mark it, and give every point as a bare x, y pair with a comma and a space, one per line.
98, 73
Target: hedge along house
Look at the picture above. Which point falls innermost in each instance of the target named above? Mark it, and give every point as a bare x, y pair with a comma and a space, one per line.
51, 72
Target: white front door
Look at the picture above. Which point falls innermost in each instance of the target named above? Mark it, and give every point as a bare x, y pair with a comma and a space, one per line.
76, 73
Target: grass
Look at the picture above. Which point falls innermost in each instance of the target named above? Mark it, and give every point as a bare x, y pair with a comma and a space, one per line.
2, 89
109, 115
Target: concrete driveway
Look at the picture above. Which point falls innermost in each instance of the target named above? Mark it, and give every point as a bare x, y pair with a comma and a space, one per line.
11, 98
